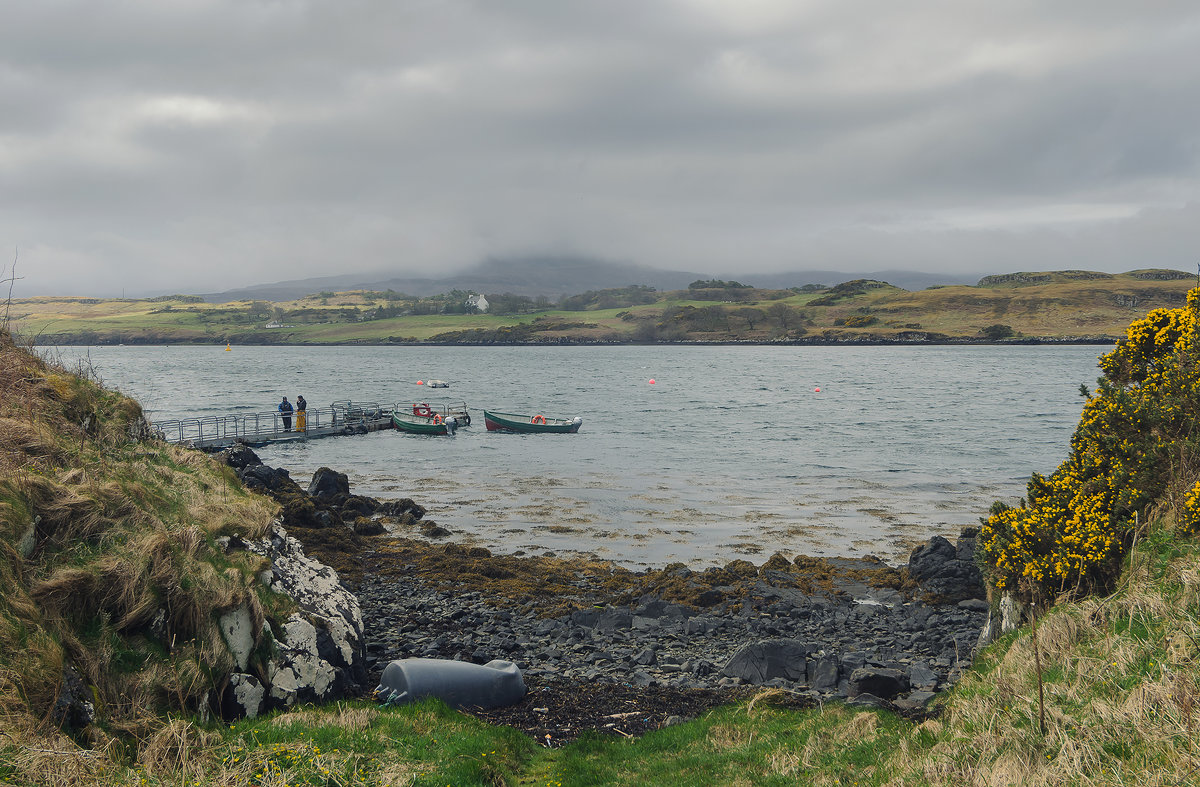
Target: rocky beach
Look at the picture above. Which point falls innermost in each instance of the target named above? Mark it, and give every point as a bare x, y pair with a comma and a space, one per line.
609, 649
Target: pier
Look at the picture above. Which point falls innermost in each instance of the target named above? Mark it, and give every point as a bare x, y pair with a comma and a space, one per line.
256, 429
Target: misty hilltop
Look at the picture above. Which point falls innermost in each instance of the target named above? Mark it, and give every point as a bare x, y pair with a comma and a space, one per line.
554, 277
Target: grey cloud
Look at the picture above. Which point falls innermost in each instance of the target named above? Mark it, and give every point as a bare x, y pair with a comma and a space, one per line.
161, 145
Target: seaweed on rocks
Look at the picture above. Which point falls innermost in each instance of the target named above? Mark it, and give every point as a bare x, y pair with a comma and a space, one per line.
606, 648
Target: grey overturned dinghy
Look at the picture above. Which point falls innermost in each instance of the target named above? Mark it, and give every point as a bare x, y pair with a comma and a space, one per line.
459, 684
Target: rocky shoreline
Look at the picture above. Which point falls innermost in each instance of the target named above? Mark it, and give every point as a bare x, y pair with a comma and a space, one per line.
647, 647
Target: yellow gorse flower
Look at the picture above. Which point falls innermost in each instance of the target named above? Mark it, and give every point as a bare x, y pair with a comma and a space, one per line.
1070, 530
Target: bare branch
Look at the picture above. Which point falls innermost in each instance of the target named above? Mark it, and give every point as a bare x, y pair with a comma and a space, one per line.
12, 279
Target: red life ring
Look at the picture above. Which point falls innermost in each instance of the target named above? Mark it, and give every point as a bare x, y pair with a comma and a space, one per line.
422, 410
437, 420
538, 419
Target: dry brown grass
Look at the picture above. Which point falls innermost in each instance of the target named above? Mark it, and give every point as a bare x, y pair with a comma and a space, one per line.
179, 751
1121, 690
112, 536
728, 736
765, 696
352, 718
861, 726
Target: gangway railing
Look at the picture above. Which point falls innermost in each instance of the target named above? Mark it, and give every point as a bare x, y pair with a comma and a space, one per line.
345, 417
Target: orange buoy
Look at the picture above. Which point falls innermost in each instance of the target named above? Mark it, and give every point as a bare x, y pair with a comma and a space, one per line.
538, 419
816, 390
652, 381
420, 382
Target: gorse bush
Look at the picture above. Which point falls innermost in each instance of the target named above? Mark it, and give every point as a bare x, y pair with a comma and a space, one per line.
1135, 448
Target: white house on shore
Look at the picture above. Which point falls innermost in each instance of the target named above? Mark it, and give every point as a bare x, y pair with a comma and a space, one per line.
478, 301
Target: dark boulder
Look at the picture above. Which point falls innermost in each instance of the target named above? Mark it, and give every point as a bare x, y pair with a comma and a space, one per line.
368, 527
823, 672
271, 479
921, 676
401, 508
326, 483
73, 707
772, 658
944, 572
356, 506
878, 681
239, 456
299, 511
657, 608
612, 619
431, 529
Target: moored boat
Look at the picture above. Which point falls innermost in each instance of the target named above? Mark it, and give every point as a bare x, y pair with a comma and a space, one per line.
511, 422
457, 410
433, 423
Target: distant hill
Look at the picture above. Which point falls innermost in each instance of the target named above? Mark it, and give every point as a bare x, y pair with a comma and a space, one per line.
1067, 305
1028, 279
549, 276
556, 276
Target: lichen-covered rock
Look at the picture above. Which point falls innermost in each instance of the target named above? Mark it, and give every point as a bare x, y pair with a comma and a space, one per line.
320, 650
298, 674
1010, 614
243, 697
240, 633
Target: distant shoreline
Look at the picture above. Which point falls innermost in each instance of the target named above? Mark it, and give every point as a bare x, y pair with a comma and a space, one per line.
568, 342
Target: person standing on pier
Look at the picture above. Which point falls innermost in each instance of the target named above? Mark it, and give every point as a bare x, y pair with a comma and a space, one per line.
285, 407
301, 406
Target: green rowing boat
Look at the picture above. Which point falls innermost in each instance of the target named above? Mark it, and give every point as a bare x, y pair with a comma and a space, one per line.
510, 422
423, 424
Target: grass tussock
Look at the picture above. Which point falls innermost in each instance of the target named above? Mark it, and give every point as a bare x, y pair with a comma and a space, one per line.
109, 568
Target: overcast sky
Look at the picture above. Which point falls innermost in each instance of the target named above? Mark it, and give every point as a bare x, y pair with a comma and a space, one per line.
153, 146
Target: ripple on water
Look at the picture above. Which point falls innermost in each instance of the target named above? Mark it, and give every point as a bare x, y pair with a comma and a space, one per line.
736, 448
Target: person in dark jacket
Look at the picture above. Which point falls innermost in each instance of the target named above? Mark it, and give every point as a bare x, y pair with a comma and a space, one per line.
285, 407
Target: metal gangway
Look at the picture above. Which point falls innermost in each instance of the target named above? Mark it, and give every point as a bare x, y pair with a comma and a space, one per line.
255, 429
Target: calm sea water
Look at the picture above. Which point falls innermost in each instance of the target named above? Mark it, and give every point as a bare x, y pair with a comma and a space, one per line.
730, 453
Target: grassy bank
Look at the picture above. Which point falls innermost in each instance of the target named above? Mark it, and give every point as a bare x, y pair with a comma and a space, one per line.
1121, 705
1065, 305
99, 531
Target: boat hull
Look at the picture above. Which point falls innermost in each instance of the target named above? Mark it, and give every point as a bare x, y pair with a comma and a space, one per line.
511, 422
444, 409
417, 424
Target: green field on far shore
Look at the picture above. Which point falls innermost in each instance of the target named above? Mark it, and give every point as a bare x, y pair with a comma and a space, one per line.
1064, 305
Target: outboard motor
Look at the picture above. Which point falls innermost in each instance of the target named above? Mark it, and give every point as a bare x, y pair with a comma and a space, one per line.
577, 421
451, 424
459, 684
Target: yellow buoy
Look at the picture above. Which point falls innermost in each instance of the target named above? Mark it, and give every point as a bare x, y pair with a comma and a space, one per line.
228, 348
